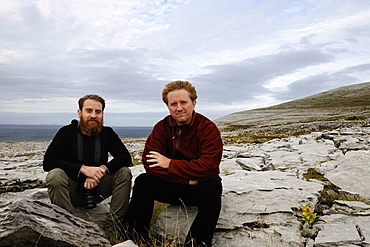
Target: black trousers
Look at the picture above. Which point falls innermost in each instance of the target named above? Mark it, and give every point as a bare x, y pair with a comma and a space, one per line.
206, 195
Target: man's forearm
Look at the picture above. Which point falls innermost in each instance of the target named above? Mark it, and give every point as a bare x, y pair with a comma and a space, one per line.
93, 172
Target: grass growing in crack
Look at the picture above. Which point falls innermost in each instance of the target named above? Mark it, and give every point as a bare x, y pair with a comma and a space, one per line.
330, 192
350, 197
312, 173
309, 215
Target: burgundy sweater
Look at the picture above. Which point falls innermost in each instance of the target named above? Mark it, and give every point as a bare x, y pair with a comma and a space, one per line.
195, 149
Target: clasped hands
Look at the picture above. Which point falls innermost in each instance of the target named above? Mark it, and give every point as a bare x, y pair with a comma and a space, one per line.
159, 160
94, 175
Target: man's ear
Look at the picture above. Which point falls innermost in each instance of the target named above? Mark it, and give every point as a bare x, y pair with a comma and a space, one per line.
79, 113
194, 103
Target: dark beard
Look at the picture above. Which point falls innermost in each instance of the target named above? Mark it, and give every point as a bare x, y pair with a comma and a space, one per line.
91, 130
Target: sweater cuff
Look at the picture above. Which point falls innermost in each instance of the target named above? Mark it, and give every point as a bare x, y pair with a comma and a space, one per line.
79, 171
106, 168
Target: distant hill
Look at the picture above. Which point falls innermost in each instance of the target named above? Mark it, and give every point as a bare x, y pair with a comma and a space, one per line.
344, 106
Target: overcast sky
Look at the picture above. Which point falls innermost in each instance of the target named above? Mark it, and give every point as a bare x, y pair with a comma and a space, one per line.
239, 54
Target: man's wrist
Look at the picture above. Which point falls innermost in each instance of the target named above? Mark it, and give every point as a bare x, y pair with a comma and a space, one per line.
106, 169
80, 171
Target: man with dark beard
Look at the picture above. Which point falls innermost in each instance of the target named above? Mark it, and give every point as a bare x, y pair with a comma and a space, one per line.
77, 162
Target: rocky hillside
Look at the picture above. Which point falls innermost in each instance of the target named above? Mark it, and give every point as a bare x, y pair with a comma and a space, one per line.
342, 107
304, 190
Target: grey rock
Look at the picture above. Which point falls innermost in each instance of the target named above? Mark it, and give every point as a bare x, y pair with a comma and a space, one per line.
262, 206
22, 161
97, 215
262, 196
251, 164
127, 243
352, 173
258, 204
353, 208
32, 222
174, 222
257, 237
310, 232
344, 230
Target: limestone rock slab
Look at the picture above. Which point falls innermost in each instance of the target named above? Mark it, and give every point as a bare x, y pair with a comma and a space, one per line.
27, 222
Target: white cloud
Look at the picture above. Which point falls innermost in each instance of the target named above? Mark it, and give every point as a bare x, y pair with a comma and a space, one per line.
239, 55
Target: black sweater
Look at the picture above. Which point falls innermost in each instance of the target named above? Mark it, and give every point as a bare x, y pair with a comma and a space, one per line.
62, 152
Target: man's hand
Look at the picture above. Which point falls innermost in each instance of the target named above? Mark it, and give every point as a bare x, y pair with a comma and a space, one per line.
158, 159
193, 182
95, 173
90, 183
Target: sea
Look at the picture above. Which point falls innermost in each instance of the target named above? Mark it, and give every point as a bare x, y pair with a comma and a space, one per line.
41, 133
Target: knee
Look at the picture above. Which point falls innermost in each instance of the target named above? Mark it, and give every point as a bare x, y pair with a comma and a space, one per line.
211, 184
56, 177
211, 180
145, 187
143, 179
124, 173
144, 182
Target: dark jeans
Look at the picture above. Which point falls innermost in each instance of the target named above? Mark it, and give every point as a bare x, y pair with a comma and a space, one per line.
206, 195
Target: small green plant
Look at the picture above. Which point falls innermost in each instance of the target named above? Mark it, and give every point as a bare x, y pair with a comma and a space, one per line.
309, 216
312, 173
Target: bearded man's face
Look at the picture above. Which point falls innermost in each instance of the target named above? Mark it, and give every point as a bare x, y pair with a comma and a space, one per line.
91, 117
